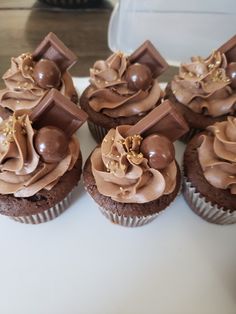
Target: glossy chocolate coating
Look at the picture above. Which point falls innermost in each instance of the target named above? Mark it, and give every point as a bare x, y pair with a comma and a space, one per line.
231, 73
47, 74
159, 151
51, 144
138, 76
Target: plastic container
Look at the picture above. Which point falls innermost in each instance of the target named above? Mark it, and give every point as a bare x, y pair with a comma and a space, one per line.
179, 29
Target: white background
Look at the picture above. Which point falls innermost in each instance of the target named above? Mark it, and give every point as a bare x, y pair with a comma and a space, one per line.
82, 263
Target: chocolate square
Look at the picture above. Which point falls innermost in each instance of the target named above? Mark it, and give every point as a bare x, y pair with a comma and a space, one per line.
163, 119
57, 110
229, 49
53, 48
148, 55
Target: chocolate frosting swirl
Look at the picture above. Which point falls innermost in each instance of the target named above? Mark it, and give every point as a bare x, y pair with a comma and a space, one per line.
22, 172
122, 173
21, 91
110, 94
203, 86
217, 155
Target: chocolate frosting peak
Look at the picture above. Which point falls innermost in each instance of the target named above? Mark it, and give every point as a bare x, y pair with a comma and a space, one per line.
22, 172
203, 86
122, 173
110, 94
217, 155
21, 90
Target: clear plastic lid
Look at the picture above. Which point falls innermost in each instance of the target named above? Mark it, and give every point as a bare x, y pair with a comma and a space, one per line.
179, 29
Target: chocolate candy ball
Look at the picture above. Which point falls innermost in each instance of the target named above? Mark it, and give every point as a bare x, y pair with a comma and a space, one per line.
159, 151
51, 144
138, 76
47, 74
231, 73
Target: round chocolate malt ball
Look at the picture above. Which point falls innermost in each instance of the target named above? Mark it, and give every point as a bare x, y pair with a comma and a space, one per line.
159, 151
51, 144
47, 74
138, 76
231, 73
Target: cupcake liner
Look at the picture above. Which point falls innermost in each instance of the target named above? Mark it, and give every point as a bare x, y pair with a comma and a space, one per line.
47, 214
205, 209
128, 221
98, 132
189, 135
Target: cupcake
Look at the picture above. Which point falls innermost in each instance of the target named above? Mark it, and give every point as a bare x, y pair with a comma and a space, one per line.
210, 173
133, 175
123, 89
32, 75
40, 159
204, 91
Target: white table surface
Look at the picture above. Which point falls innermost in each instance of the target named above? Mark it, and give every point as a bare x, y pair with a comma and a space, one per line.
81, 263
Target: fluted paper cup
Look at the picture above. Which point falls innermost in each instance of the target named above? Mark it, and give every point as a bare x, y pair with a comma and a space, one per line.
128, 221
205, 209
47, 214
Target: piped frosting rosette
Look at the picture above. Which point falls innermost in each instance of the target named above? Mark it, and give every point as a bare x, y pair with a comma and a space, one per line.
204, 86
113, 91
217, 155
122, 172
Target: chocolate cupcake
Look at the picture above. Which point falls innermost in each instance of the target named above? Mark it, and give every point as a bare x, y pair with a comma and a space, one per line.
40, 160
133, 176
204, 91
32, 75
123, 89
210, 173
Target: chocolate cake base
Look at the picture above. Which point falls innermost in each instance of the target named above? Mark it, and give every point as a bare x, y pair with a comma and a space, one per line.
42, 201
131, 210
194, 174
99, 124
196, 121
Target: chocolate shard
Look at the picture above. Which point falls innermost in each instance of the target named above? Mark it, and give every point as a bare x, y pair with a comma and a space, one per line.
229, 49
147, 54
164, 120
57, 110
53, 48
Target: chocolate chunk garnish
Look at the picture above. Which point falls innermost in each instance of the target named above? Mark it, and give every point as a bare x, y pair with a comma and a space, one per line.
163, 119
57, 110
229, 49
148, 55
158, 150
51, 144
47, 74
53, 48
138, 76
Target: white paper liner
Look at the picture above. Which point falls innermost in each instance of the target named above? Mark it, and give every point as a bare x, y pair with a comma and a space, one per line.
128, 221
206, 210
47, 214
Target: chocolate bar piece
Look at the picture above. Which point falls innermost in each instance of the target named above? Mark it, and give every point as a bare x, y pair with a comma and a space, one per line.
164, 120
229, 49
148, 55
57, 110
53, 48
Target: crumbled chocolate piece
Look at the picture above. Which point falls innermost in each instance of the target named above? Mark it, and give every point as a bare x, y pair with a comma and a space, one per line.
163, 119
148, 55
53, 48
229, 49
57, 110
